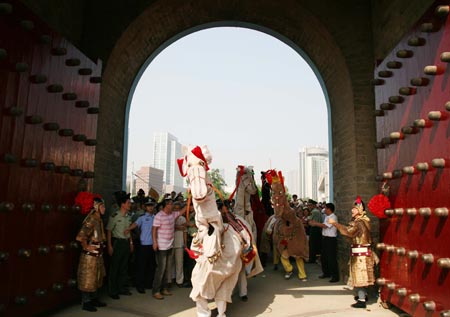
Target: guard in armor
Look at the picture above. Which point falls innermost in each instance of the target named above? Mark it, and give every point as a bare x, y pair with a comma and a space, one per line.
91, 268
363, 260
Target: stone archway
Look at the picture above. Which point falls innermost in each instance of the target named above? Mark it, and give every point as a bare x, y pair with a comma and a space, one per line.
342, 55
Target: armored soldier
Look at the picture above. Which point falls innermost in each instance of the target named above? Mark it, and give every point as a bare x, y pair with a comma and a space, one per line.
363, 259
91, 269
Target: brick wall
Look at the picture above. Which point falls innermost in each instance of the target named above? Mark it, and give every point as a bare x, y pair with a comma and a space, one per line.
392, 19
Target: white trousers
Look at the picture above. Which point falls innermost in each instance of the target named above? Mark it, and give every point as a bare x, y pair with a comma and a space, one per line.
242, 282
204, 311
178, 257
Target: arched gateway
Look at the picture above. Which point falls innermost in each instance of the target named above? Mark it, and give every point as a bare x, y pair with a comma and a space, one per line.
350, 99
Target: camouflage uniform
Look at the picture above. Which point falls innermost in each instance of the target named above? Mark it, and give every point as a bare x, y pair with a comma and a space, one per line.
118, 271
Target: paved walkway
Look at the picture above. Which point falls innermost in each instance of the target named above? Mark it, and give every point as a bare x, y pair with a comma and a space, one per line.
269, 295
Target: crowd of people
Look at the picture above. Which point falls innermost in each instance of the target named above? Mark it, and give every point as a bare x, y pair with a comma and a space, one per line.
146, 239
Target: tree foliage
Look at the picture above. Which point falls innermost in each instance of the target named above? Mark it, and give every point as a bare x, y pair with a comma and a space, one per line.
218, 181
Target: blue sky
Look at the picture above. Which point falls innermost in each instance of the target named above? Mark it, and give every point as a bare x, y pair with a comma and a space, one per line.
249, 97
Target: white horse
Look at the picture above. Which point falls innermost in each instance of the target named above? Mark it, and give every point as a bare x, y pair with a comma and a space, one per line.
217, 246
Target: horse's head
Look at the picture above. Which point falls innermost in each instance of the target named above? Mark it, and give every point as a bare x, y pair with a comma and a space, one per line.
194, 165
247, 179
279, 199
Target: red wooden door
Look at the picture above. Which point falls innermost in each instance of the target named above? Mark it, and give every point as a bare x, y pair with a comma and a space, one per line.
412, 90
49, 93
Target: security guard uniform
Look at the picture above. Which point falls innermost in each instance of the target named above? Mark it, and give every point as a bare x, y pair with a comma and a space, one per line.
118, 272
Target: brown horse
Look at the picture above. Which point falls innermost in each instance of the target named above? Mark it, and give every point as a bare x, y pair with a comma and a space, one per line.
289, 235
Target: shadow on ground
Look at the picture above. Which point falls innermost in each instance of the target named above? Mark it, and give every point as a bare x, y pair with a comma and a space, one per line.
269, 294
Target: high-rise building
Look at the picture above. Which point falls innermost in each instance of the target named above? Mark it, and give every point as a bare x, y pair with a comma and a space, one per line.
323, 187
149, 177
292, 182
313, 168
166, 151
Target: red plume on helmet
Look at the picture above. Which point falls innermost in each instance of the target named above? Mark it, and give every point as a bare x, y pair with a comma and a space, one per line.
360, 204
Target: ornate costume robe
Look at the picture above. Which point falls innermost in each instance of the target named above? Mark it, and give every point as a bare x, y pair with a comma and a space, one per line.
361, 266
91, 268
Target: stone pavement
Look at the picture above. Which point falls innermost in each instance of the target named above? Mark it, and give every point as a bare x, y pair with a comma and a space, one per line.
269, 295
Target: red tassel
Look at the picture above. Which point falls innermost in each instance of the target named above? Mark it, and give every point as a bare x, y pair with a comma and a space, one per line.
269, 178
269, 175
191, 253
378, 204
249, 256
241, 169
180, 162
280, 175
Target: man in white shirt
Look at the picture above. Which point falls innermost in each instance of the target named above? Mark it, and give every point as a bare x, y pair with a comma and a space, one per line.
329, 245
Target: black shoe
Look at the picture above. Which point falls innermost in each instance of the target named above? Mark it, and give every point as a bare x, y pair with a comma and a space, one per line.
125, 292
140, 290
244, 298
366, 298
179, 285
89, 307
115, 296
324, 276
334, 280
359, 304
98, 303
275, 267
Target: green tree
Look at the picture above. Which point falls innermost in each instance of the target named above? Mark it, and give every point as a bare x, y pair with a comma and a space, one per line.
288, 195
218, 182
